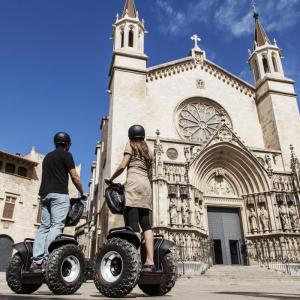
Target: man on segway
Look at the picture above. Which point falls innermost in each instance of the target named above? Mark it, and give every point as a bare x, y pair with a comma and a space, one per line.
57, 166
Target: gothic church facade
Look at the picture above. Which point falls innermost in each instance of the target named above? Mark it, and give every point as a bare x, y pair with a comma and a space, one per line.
224, 168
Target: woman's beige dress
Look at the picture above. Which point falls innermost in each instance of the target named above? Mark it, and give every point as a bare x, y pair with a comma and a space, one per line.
138, 192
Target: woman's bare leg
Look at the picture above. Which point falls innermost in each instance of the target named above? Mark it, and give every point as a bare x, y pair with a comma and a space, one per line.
148, 236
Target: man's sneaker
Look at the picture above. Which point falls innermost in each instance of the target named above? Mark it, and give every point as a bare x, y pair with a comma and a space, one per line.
36, 267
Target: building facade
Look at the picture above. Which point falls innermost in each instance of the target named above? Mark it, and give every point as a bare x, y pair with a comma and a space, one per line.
20, 210
225, 151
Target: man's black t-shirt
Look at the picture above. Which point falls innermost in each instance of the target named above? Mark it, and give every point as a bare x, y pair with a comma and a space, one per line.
55, 176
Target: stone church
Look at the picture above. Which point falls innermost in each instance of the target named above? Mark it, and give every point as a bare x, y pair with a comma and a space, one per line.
226, 170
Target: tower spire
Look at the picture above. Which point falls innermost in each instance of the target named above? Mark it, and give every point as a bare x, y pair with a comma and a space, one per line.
260, 36
129, 9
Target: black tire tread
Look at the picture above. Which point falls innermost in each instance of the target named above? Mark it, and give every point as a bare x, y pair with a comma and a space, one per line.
127, 281
14, 280
168, 279
53, 279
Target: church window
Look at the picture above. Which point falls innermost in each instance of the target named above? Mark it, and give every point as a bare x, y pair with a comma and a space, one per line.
199, 120
1, 165
22, 171
122, 38
255, 70
10, 168
266, 65
9, 207
274, 63
131, 38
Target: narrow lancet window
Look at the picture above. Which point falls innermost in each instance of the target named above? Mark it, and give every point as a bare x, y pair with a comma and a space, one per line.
266, 65
131, 38
122, 39
274, 63
255, 70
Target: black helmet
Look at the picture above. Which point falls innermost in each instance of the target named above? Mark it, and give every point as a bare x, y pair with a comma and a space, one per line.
136, 133
62, 138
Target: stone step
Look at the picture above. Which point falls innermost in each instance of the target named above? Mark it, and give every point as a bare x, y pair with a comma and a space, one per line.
247, 273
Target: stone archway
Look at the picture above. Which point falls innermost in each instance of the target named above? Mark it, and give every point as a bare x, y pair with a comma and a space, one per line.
6, 249
242, 168
225, 172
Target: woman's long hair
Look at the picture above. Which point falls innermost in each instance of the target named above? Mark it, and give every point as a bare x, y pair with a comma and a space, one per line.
141, 149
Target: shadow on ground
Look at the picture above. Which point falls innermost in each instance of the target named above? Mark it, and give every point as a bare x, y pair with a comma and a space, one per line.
278, 296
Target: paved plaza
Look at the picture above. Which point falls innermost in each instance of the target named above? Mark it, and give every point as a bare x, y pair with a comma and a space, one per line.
221, 282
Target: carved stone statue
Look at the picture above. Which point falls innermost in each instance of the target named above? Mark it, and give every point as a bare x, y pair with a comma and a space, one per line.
179, 213
253, 220
294, 218
284, 218
189, 247
198, 214
264, 219
173, 213
185, 213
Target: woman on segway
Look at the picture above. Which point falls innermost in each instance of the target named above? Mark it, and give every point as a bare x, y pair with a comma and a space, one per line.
138, 194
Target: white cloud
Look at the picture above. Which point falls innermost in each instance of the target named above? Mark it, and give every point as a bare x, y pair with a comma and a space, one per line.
232, 16
174, 22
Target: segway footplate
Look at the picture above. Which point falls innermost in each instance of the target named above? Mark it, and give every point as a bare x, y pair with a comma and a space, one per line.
151, 278
32, 278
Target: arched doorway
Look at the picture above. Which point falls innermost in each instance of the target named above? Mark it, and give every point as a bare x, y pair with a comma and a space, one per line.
225, 172
6, 249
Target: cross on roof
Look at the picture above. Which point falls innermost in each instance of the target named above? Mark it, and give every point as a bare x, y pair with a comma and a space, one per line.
196, 39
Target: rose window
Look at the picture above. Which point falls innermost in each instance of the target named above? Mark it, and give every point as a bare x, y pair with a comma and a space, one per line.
199, 121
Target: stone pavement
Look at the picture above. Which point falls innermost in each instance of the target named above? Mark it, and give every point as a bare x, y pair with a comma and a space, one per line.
220, 282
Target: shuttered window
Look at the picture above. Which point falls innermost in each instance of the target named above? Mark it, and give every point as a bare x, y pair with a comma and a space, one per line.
10, 168
22, 171
9, 207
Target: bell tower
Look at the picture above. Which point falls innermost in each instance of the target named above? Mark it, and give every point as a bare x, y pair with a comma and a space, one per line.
127, 85
275, 95
265, 60
129, 30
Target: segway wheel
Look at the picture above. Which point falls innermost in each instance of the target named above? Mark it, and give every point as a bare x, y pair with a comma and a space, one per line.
118, 267
65, 270
168, 278
14, 277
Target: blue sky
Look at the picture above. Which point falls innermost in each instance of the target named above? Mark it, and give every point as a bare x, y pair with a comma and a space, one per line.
55, 57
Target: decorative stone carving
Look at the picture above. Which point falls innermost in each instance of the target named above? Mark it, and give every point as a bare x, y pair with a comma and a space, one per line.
172, 190
199, 121
284, 217
172, 153
185, 213
225, 135
264, 219
184, 191
200, 84
175, 173
294, 218
173, 213
219, 186
253, 220
198, 214
282, 183
279, 198
158, 151
199, 59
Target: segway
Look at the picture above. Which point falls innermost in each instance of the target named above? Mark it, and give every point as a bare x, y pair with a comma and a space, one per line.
64, 271
119, 261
